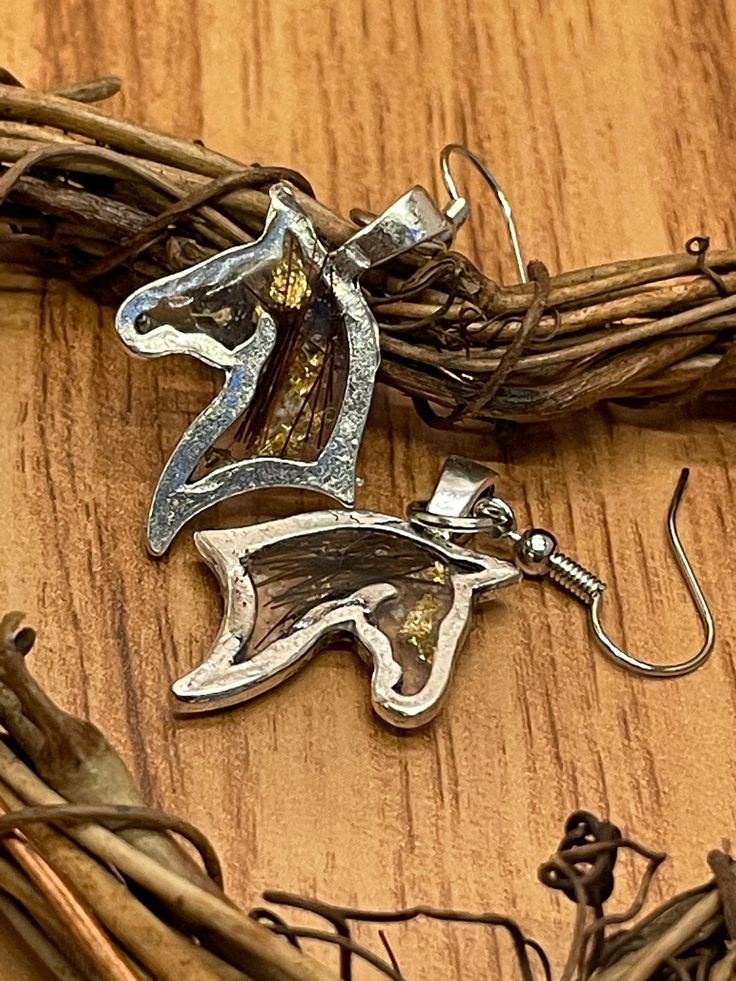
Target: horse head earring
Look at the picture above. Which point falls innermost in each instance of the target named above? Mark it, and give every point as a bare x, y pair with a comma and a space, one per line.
404, 589
285, 319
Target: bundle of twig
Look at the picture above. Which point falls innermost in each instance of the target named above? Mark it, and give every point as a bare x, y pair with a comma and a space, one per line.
110, 205
95, 885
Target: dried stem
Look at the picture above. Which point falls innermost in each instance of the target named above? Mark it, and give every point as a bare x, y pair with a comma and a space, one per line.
45, 951
189, 900
110, 205
14, 884
725, 969
116, 816
162, 951
186, 892
73, 915
643, 965
72, 755
117, 911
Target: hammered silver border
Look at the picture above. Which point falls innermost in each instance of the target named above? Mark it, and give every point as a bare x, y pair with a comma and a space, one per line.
219, 682
177, 499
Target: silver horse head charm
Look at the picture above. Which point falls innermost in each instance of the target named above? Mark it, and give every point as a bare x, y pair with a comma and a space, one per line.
286, 321
403, 592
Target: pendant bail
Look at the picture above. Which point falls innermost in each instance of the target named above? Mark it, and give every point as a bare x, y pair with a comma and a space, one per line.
460, 485
464, 503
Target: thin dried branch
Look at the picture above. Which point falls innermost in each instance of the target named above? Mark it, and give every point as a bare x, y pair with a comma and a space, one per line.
653, 955
110, 205
45, 952
72, 755
82, 928
115, 817
199, 907
341, 916
163, 952
111, 909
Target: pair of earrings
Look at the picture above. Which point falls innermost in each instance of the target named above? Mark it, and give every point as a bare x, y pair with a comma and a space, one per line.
286, 321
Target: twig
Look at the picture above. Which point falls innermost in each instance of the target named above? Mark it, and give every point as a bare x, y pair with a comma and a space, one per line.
120, 816
722, 867
725, 969
73, 754
81, 926
110, 204
337, 914
205, 909
641, 966
44, 950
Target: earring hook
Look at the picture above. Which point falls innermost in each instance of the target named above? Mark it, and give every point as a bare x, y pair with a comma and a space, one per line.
503, 201
698, 597
536, 554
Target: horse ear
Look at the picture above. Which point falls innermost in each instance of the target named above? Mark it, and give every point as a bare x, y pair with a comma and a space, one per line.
219, 547
495, 574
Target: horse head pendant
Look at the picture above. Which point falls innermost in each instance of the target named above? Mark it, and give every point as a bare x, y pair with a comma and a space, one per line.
286, 321
405, 594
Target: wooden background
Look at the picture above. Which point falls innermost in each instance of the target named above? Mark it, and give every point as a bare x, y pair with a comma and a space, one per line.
612, 128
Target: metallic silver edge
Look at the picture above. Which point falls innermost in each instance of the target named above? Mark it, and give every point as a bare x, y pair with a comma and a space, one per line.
217, 682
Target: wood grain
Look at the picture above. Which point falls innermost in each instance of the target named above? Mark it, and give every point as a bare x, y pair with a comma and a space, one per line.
612, 126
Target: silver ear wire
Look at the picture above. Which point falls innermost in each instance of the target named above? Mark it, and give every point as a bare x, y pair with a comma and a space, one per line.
460, 207
536, 554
